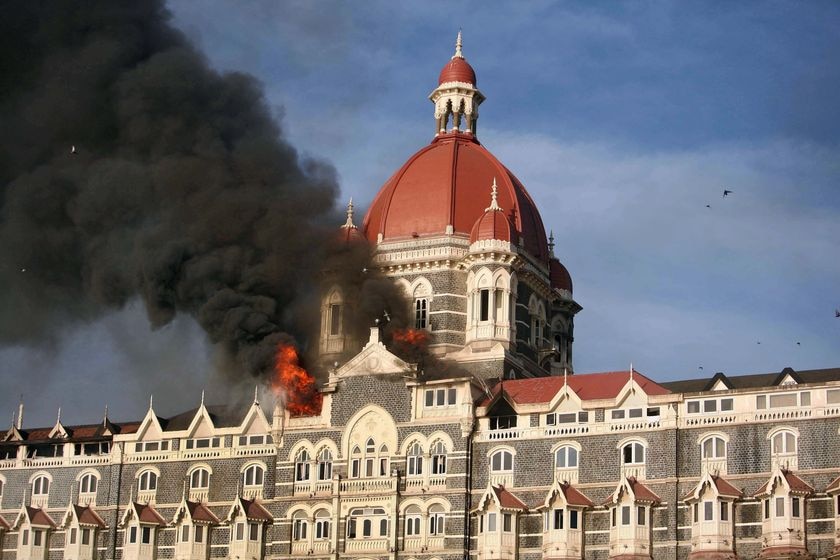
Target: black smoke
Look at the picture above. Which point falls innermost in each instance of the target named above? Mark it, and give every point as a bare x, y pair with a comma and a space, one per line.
129, 168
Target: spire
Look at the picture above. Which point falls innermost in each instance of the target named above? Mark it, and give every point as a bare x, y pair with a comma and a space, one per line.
494, 203
202, 397
256, 394
20, 413
151, 401
349, 223
58, 416
551, 244
458, 45
105, 418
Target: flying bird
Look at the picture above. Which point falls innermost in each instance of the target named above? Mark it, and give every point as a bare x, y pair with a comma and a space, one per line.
727, 193
708, 206
72, 149
758, 342
799, 344
837, 312
387, 316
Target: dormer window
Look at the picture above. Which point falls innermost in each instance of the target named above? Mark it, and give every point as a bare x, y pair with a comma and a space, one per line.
203, 443
95, 448
444, 396
144, 446
558, 418
261, 439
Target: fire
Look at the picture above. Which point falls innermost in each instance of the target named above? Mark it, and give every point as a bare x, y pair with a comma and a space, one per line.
410, 344
294, 384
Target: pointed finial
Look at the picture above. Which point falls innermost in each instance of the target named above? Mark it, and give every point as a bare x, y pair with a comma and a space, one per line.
151, 401
202, 397
494, 202
631, 371
105, 418
565, 376
20, 413
256, 394
349, 223
58, 416
458, 45
551, 244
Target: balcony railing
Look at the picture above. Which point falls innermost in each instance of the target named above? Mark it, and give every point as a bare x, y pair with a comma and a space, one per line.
366, 545
368, 485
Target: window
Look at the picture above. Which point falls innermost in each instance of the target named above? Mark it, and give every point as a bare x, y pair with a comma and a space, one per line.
708, 511
299, 526
491, 522
724, 511
147, 481
143, 446
641, 515
383, 460
41, 486
502, 422
438, 458
566, 457
625, 515
253, 476
484, 305
322, 524
436, 520
573, 519
415, 460
199, 533
613, 517
203, 443
355, 462
370, 457
412, 522
501, 461
185, 533
441, 397
557, 519
240, 531
766, 509
335, 319
421, 313
145, 535
710, 406
633, 454
302, 466
37, 537
324, 465
200, 479
93, 448
784, 442
507, 522
714, 448
254, 440
253, 532
794, 507
73, 532
87, 484
780, 507
556, 418
132, 534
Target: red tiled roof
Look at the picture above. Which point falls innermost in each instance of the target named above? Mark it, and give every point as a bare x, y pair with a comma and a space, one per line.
833, 486
641, 493
254, 511
38, 516
4, 524
507, 499
724, 488
796, 484
574, 497
201, 513
87, 516
83, 432
147, 514
587, 386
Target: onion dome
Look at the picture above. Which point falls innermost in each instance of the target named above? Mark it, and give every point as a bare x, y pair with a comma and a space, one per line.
348, 232
493, 224
457, 69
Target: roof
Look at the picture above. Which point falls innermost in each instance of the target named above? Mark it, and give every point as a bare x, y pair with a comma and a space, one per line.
589, 386
573, 496
4, 525
254, 511
753, 381
833, 486
223, 416
87, 516
84, 432
201, 513
641, 493
507, 500
148, 514
448, 183
457, 70
559, 275
724, 488
796, 484
493, 225
38, 516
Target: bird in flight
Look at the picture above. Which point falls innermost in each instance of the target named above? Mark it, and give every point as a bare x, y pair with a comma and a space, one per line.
799, 344
708, 206
387, 316
727, 192
837, 312
72, 149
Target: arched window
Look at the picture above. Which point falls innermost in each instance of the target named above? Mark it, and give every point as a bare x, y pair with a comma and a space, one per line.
501, 461
355, 462
147, 481
334, 315
322, 524
302, 466
253, 476
566, 457
324, 464
384, 457
412, 521
438, 458
199, 479
437, 518
415, 460
714, 447
370, 457
633, 453
41, 486
421, 313
87, 484
300, 525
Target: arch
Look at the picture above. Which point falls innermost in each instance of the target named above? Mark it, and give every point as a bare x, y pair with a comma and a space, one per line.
199, 477
633, 451
370, 419
296, 449
421, 288
496, 448
777, 429
415, 502
783, 441
88, 481
253, 473
299, 508
84, 472
566, 455
483, 278
252, 463
326, 443
197, 466
501, 460
439, 502
39, 474
706, 435
411, 439
147, 479
713, 446
630, 439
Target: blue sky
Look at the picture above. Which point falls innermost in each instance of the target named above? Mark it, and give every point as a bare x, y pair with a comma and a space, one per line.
623, 120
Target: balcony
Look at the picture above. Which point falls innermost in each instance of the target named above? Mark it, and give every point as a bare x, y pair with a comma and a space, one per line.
366, 545
637, 471
368, 485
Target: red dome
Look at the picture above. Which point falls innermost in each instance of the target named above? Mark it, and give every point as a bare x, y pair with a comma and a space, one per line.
493, 225
349, 235
457, 70
560, 277
448, 183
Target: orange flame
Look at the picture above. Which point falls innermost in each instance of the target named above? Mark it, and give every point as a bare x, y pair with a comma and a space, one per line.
410, 344
294, 384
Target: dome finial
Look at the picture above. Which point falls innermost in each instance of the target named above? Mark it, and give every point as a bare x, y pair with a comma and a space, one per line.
349, 223
494, 202
458, 45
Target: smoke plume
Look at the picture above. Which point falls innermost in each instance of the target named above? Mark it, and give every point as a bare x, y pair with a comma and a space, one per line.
131, 168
